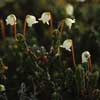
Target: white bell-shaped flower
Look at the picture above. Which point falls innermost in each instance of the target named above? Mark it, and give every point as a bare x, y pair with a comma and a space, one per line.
30, 20
67, 44
69, 22
45, 17
85, 56
11, 19
69, 9
2, 88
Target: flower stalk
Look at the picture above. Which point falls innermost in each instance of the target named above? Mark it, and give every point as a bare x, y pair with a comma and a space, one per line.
45, 18
86, 58
29, 20
24, 30
61, 29
73, 54
2, 29
15, 29
11, 20
51, 25
90, 64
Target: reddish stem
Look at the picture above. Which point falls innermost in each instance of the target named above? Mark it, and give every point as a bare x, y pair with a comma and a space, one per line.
61, 29
3, 29
73, 54
90, 65
15, 29
24, 29
51, 25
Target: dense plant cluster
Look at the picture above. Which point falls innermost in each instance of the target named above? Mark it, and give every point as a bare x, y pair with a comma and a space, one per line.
54, 56
30, 71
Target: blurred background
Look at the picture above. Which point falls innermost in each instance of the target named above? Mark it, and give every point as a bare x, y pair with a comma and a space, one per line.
85, 32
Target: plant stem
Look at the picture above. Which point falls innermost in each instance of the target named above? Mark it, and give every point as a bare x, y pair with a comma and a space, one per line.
90, 65
2, 29
51, 26
24, 29
59, 37
15, 29
61, 29
73, 54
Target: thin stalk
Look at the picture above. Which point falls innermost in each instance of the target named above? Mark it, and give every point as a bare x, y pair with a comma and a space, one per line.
61, 29
24, 29
59, 40
73, 54
59, 37
15, 30
51, 26
90, 65
2, 29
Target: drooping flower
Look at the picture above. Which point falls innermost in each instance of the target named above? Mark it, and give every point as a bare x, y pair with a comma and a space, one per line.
85, 56
11, 19
30, 20
69, 9
67, 44
2, 88
69, 22
45, 17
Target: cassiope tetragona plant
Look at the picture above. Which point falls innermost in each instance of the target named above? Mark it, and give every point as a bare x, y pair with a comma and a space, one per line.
45, 18
11, 20
86, 58
80, 80
29, 20
68, 45
68, 22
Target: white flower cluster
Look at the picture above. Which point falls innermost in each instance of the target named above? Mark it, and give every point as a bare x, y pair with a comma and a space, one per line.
31, 20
